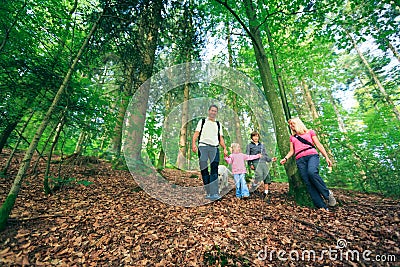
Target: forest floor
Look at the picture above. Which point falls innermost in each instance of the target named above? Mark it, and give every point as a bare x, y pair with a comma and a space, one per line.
112, 222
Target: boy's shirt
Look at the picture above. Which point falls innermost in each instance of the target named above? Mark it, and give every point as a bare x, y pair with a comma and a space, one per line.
254, 149
237, 160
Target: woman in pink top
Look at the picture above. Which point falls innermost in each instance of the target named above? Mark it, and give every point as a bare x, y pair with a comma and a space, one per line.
237, 160
303, 144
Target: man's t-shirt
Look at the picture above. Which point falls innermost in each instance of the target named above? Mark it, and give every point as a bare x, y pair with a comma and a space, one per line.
209, 135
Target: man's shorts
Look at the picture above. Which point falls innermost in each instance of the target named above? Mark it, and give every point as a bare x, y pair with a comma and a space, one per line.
261, 173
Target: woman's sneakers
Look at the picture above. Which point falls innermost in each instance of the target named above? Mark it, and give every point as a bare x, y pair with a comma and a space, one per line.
331, 199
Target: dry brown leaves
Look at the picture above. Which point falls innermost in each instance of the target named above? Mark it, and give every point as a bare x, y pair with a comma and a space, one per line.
112, 223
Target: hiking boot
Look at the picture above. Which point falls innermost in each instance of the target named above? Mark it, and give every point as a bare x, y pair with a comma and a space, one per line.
266, 198
331, 199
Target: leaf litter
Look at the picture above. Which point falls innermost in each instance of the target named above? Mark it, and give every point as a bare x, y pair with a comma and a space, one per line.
111, 222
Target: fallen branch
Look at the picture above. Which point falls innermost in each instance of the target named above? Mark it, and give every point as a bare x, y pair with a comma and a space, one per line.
316, 227
37, 217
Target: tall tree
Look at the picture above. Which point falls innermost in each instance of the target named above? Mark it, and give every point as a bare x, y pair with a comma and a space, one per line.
8, 204
296, 185
149, 28
278, 73
375, 77
188, 49
235, 104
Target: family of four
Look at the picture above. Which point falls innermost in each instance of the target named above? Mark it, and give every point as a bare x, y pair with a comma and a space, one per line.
303, 143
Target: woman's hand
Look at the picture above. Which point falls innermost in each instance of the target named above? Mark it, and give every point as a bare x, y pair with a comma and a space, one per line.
328, 161
283, 161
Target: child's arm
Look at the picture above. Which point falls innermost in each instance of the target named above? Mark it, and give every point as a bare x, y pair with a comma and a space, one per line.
265, 155
251, 157
228, 159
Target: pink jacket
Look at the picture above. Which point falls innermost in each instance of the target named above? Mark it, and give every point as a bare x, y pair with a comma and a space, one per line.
238, 161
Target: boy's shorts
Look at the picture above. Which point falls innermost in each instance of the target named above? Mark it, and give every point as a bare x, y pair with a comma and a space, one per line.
261, 173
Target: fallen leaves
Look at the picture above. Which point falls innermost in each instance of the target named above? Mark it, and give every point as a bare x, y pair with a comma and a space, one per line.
111, 223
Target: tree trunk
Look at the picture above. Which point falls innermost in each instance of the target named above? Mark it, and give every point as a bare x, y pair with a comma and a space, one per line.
140, 103
60, 125
375, 78
161, 159
238, 133
8, 163
342, 127
116, 141
181, 160
35, 166
79, 144
117, 136
310, 102
296, 185
8, 204
278, 73
395, 53
315, 116
6, 133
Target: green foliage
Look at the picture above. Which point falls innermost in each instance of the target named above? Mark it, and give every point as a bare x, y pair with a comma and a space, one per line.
216, 257
84, 182
5, 210
367, 157
137, 189
57, 183
46, 186
39, 38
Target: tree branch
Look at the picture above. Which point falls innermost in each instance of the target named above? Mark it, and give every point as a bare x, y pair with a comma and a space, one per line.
225, 4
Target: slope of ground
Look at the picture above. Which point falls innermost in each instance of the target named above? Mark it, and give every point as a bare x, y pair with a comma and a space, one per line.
112, 222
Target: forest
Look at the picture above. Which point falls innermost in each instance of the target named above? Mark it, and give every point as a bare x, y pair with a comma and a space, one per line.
99, 101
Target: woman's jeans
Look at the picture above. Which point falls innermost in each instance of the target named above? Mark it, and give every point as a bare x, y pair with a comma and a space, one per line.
241, 187
308, 167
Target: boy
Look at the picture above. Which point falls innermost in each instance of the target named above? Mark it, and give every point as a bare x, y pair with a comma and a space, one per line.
259, 165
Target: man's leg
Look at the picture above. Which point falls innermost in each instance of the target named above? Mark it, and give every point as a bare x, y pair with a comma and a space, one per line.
205, 175
214, 158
